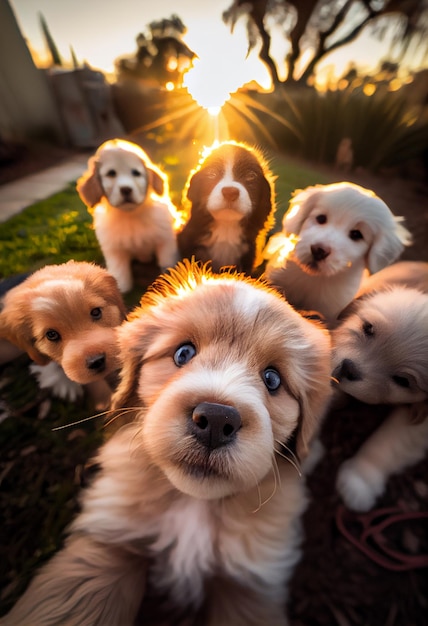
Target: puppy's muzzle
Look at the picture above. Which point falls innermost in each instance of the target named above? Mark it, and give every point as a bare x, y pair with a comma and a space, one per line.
347, 370
319, 253
215, 425
96, 363
126, 193
230, 193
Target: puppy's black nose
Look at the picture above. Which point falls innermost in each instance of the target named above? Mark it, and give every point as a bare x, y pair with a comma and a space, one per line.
215, 425
230, 193
319, 253
347, 369
126, 191
96, 363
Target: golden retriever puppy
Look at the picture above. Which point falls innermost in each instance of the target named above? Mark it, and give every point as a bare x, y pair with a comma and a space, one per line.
66, 315
195, 499
380, 356
230, 200
133, 215
332, 236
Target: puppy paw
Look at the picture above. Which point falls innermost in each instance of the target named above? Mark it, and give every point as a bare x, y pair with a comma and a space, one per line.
52, 377
359, 485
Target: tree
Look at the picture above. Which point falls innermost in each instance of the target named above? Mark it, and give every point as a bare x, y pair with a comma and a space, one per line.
321, 26
50, 43
162, 56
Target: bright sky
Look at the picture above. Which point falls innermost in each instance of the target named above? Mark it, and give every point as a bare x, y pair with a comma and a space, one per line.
100, 31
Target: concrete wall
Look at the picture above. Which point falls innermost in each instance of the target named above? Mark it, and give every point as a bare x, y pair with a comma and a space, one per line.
27, 105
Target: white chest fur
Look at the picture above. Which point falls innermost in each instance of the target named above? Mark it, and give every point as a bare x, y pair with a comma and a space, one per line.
225, 241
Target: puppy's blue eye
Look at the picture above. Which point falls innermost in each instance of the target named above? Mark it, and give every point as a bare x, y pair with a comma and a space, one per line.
111, 173
321, 219
96, 313
355, 235
136, 173
52, 335
184, 354
271, 379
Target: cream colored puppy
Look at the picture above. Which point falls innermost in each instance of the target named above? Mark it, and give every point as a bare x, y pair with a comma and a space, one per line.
134, 218
333, 235
196, 501
380, 356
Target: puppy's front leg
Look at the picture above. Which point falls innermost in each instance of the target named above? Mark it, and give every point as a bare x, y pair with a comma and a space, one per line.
396, 444
118, 263
85, 584
167, 254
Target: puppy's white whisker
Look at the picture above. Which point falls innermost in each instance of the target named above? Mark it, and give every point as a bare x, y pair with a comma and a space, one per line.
292, 459
85, 419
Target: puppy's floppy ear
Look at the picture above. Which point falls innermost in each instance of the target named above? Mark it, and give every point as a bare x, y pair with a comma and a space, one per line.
16, 323
156, 180
301, 204
134, 337
89, 185
388, 244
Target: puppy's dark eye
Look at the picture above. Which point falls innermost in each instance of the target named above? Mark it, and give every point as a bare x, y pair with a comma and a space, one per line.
136, 173
52, 335
401, 381
211, 172
111, 174
321, 219
184, 354
368, 329
250, 176
271, 379
96, 313
355, 235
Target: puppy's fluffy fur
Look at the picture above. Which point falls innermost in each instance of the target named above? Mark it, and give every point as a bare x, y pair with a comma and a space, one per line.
380, 356
192, 500
229, 198
66, 314
133, 216
340, 232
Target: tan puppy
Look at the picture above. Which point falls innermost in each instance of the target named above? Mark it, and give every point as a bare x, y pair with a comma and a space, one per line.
380, 356
134, 218
196, 500
333, 235
66, 314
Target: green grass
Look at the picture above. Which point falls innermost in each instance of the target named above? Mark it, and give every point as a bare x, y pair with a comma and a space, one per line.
51, 231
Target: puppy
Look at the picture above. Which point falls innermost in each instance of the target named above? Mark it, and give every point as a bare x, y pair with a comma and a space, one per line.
195, 499
380, 356
65, 315
133, 216
334, 233
229, 198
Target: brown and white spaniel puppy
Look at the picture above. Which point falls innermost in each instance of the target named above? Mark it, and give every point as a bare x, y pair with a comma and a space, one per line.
229, 199
195, 502
133, 215
65, 315
380, 356
333, 236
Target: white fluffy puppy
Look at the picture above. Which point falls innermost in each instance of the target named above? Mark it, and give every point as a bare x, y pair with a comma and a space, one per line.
134, 218
380, 356
332, 235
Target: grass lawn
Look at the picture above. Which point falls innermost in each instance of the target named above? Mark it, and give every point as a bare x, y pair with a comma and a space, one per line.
39, 467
